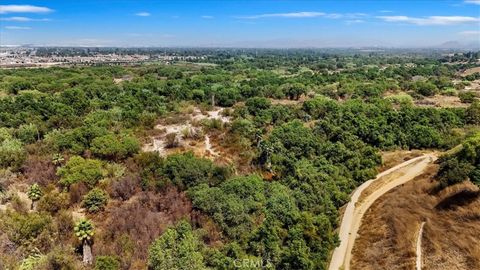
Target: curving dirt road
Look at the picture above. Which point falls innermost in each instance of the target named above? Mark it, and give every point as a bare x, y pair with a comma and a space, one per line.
354, 211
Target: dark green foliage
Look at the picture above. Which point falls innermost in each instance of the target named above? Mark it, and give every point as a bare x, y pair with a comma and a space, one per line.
95, 200
257, 104
234, 205
186, 170
467, 97
177, 248
452, 171
472, 114
424, 137
107, 263
425, 88
461, 165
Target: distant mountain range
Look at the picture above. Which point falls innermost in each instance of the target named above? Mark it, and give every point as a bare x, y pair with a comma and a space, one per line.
474, 45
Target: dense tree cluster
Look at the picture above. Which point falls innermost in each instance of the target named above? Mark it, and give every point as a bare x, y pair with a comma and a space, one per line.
306, 125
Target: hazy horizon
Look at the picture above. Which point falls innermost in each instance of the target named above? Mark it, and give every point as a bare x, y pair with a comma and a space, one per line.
241, 24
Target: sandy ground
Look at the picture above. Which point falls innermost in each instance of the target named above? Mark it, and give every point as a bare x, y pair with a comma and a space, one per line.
354, 211
205, 148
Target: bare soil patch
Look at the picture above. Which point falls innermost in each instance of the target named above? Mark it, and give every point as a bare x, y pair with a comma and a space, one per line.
441, 101
470, 71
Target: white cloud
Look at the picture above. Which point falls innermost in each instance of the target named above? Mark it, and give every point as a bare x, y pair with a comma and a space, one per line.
304, 14
23, 9
432, 20
23, 19
17, 28
475, 2
207, 17
354, 21
470, 33
385, 11
143, 14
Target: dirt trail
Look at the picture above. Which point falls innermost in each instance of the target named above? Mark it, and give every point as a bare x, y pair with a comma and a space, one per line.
419, 247
353, 214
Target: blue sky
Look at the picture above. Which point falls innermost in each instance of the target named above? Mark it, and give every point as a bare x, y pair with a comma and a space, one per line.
243, 23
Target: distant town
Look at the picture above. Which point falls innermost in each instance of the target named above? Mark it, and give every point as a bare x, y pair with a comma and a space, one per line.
11, 57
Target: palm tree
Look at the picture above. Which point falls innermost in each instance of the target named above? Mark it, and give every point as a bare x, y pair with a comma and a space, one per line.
34, 193
84, 232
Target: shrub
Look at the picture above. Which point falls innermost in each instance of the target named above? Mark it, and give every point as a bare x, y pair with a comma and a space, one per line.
107, 263
64, 224
257, 104
78, 169
31, 262
60, 258
171, 140
472, 113
129, 228
12, 154
467, 97
53, 201
177, 248
125, 187
186, 170
27, 133
24, 227
39, 169
95, 200
115, 147
452, 171
425, 88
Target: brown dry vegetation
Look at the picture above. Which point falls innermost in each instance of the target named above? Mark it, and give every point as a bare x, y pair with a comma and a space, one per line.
387, 237
128, 227
441, 101
470, 71
393, 158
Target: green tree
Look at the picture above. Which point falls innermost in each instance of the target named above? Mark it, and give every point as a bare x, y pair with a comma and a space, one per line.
84, 231
425, 88
257, 104
95, 200
78, 169
107, 263
177, 248
295, 90
452, 171
472, 113
467, 97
